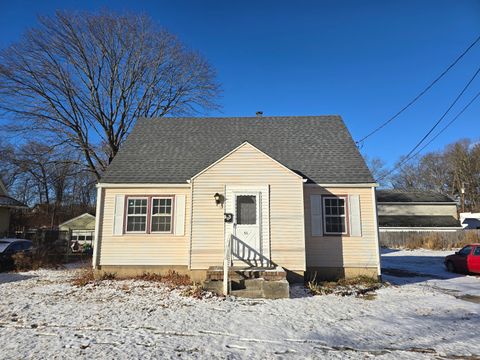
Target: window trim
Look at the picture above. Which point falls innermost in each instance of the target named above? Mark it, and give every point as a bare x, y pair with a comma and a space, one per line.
126, 215
159, 197
346, 215
149, 214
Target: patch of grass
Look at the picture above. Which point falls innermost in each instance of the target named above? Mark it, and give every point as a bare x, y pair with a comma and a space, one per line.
360, 286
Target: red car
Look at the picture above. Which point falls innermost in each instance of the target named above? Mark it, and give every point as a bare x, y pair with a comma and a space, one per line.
466, 260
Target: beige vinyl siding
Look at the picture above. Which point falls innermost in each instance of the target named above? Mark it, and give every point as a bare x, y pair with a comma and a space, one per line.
250, 167
142, 249
342, 251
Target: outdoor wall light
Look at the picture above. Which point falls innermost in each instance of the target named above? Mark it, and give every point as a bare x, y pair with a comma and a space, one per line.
218, 198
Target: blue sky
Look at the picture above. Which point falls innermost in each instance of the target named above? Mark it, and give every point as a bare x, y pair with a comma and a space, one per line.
363, 60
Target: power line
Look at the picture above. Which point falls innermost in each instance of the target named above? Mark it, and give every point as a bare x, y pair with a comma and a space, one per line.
448, 124
410, 156
446, 112
422, 92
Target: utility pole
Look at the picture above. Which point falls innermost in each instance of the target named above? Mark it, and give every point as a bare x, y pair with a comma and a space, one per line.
462, 197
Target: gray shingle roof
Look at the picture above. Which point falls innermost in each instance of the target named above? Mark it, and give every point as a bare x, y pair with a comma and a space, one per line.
172, 150
411, 196
417, 221
7, 201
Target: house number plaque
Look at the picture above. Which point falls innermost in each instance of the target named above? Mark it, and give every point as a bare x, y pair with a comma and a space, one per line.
228, 217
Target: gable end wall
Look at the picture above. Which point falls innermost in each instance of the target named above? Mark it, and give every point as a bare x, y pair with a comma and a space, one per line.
248, 166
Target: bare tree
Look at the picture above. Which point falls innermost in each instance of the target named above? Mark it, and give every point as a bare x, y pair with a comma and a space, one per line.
84, 79
378, 169
448, 171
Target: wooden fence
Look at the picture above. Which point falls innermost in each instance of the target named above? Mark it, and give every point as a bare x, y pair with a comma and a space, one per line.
428, 239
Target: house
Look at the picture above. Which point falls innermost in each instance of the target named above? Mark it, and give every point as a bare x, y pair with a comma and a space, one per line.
6, 204
416, 211
80, 229
470, 220
189, 194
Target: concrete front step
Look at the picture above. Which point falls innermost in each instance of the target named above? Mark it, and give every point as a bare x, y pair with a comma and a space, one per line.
238, 274
253, 288
249, 294
247, 284
268, 283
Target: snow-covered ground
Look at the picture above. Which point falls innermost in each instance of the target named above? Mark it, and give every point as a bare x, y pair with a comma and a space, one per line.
426, 267
43, 316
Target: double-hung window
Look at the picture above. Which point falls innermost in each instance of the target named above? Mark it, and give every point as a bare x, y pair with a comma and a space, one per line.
137, 214
162, 214
334, 215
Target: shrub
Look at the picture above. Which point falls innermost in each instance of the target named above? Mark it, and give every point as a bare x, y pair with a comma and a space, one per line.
84, 277
35, 259
195, 290
108, 276
172, 278
24, 262
359, 286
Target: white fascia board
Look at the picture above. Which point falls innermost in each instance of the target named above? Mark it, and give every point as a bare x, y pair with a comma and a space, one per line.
415, 203
133, 185
360, 185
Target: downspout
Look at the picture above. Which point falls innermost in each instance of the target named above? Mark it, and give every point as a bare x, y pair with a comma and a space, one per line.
302, 191
98, 214
191, 225
375, 223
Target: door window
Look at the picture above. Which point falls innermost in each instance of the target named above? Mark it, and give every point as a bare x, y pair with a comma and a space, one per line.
465, 251
476, 252
15, 247
246, 210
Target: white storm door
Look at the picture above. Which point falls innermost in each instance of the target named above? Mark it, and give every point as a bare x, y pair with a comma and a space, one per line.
247, 221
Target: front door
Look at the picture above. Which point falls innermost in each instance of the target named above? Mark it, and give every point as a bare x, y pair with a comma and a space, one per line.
246, 244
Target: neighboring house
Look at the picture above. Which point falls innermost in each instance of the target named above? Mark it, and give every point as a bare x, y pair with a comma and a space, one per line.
416, 211
80, 229
6, 204
470, 220
287, 191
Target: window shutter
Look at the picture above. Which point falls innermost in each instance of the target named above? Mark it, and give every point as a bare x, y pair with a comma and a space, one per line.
118, 214
179, 222
355, 220
316, 214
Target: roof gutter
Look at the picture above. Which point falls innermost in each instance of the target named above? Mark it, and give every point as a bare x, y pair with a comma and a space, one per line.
353, 185
135, 185
416, 203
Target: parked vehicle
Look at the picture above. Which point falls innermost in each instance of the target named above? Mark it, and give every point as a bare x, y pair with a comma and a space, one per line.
10, 247
466, 260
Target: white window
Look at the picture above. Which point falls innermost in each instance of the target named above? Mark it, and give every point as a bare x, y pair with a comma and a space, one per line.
137, 215
334, 215
161, 218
